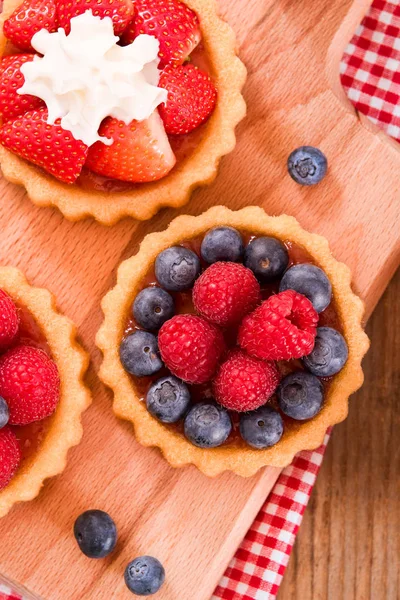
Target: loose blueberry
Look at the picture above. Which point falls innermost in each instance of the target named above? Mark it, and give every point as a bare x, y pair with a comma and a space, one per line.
177, 268
222, 243
96, 533
307, 165
168, 399
329, 355
267, 257
207, 425
261, 428
139, 354
4, 413
300, 395
310, 281
152, 307
144, 576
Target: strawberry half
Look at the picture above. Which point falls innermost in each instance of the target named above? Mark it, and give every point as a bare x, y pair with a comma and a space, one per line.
120, 11
191, 98
140, 152
11, 79
173, 23
48, 146
28, 19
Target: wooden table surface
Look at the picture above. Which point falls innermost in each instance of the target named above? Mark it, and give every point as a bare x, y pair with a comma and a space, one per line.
348, 546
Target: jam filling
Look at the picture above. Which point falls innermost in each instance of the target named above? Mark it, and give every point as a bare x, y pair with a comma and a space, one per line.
184, 305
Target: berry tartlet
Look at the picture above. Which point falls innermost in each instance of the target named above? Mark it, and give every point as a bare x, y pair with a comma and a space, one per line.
232, 340
42, 394
113, 108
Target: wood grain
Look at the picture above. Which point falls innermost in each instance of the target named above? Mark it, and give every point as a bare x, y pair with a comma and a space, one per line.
349, 542
180, 516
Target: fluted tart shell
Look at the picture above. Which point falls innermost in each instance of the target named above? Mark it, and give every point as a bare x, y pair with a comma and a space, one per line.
64, 429
242, 460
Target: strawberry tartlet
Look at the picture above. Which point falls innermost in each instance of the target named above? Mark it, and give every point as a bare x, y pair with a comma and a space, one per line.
42, 394
113, 108
232, 340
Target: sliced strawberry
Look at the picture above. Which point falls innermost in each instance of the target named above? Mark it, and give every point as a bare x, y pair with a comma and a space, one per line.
140, 152
120, 11
191, 98
173, 23
29, 18
48, 146
11, 79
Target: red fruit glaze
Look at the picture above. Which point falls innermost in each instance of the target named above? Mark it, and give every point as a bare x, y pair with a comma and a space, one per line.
48, 146
120, 11
29, 383
11, 79
140, 152
9, 320
191, 98
10, 456
173, 23
282, 328
29, 18
225, 293
244, 383
191, 347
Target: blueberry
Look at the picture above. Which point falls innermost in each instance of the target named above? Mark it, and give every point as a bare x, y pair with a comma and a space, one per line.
144, 576
267, 257
152, 307
4, 413
310, 281
139, 354
307, 165
222, 243
261, 428
168, 399
329, 355
177, 268
96, 533
300, 395
207, 425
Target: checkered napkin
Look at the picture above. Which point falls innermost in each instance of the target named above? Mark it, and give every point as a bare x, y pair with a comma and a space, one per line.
6, 593
370, 69
370, 72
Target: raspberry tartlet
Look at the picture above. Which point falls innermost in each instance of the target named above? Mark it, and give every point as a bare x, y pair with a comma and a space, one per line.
232, 341
42, 394
116, 108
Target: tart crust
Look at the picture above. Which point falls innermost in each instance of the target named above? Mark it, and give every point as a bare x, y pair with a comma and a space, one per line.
242, 460
65, 429
174, 190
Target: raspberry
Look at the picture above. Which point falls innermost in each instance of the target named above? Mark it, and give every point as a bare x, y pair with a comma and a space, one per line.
9, 320
10, 456
29, 383
191, 347
244, 383
225, 293
283, 327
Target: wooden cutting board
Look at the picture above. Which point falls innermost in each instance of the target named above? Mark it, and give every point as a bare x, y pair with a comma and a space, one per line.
193, 524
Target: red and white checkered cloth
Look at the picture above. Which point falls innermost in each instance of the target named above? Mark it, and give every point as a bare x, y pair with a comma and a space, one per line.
370, 73
7, 594
370, 69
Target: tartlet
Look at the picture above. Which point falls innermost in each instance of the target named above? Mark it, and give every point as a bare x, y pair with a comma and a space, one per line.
199, 167
63, 429
244, 461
